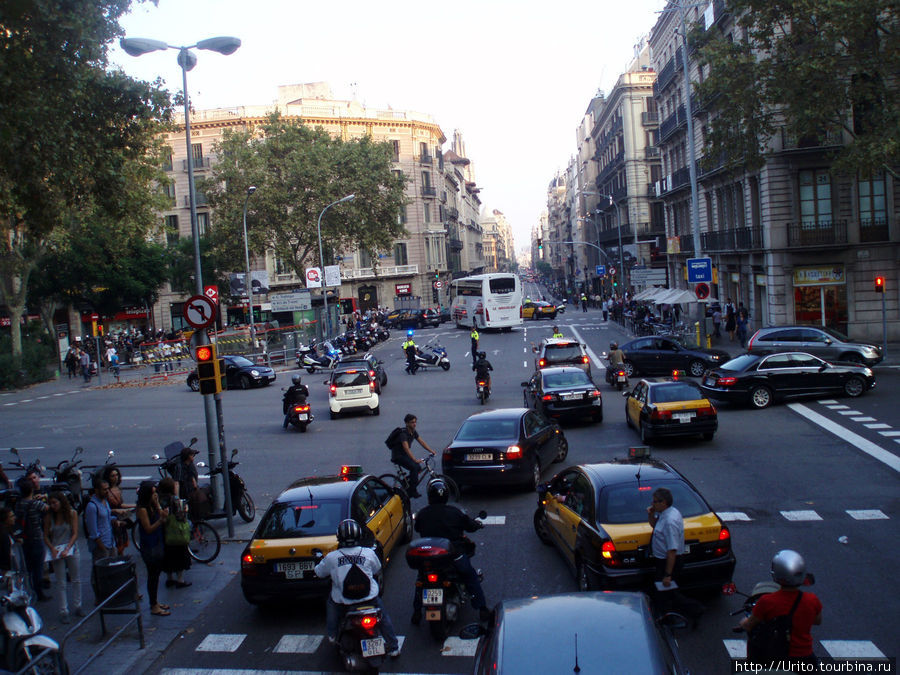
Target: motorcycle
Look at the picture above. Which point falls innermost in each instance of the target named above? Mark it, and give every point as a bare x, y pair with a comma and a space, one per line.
308, 358
67, 479
482, 390
442, 588
360, 642
616, 376
241, 501
22, 639
10, 496
299, 413
432, 355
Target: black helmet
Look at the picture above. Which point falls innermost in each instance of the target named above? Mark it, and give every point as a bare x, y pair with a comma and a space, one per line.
788, 568
613, 345
438, 492
295, 379
482, 355
349, 533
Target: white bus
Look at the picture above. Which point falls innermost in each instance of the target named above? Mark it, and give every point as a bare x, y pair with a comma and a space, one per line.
487, 301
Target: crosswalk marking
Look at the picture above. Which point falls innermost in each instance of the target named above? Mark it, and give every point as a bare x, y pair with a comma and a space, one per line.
737, 649
878, 425
867, 514
828, 401
730, 516
838, 406
852, 649
221, 642
801, 515
298, 644
889, 434
864, 419
849, 412
454, 646
494, 520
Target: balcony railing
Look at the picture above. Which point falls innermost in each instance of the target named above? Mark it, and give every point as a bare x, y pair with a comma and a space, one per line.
200, 199
874, 229
651, 152
817, 233
686, 244
649, 118
671, 124
452, 213
426, 158
381, 272
680, 177
429, 191
200, 163
738, 239
825, 139
455, 244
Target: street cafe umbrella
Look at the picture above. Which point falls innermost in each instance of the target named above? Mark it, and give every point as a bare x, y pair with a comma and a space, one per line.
649, 293
675, 296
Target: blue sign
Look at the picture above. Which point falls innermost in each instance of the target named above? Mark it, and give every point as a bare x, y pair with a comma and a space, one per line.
601, 270
699, 269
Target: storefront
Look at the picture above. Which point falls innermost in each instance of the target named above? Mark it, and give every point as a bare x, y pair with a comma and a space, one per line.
820, 296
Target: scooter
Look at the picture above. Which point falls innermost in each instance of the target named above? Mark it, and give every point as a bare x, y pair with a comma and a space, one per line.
67, 479
298, 412
22, 639
432, 355
616, 376
360, 642
307, 357
442, 588
482, 390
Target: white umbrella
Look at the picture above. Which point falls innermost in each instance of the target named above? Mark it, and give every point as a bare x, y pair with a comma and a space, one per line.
648, 293
675, 296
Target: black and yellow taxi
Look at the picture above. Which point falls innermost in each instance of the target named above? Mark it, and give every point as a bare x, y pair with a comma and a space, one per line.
596, 515
670, 407
538, 309
278, 562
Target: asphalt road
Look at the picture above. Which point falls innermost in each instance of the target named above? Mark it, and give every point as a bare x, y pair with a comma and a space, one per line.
803, 476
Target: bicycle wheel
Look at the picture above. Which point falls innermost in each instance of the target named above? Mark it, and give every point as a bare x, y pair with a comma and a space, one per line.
205, 542
135, 536
393, 481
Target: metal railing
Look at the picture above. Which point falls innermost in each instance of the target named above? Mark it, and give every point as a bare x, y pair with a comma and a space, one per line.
817, 233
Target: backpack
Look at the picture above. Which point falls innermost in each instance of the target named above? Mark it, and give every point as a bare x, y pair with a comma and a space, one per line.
357, 584
770, 641
393, 440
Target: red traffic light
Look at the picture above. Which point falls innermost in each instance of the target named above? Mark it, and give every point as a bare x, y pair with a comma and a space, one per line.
204, 354
879, 284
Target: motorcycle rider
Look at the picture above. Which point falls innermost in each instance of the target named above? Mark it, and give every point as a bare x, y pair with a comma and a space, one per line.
296, 393
616, 360
483, 370
440, 519
337, 565
410, 349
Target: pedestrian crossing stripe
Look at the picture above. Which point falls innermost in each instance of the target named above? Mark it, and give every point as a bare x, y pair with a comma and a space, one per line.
730, 516
867, 514
849, 412
801, 515
865, 418
856, 514
298, 644
889, 434
221, 642
454, 646
493, 520
837, 649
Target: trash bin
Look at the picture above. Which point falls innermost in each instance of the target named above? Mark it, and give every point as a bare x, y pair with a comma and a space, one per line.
109, 575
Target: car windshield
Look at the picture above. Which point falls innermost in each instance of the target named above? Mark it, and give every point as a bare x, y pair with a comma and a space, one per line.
305, 518
676, 391
575, 378
628, 503
562, 353
350, 378
488, 430
739, 363
241, 362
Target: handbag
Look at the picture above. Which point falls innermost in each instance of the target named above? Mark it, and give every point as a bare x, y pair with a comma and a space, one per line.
178, 531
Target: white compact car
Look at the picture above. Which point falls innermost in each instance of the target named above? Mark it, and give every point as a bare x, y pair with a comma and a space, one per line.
352, 390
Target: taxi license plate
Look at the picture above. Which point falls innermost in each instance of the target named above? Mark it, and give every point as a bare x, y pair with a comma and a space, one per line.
432, 596
295, 570
303, 417
479, 457
683, 417
373, 647
570, 397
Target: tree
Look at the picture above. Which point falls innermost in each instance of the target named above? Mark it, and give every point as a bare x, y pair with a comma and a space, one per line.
76, 140
813, 67
298, 170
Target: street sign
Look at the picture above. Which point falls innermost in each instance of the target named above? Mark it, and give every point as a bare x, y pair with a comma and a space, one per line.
313, 277
699, 269
291, 302
601, 270
199, 311
701, 290
612, 270
438, 285
212, 292
332, 275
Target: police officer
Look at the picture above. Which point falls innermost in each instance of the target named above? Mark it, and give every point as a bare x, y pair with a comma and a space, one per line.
557, 333
409, 348
474, 335
296, 393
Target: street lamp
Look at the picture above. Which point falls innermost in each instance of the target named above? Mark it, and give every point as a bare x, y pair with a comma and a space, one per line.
247, 282
322, 261
619, 230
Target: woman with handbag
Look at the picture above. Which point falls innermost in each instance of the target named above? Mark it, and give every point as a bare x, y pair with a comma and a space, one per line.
60, 536
177, 558
151, 519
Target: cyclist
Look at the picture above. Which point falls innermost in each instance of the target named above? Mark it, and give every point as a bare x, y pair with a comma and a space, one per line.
401, 452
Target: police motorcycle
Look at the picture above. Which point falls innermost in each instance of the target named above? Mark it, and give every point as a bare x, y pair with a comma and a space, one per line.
443, 591
433, 354
309, 358
67, 479
21, 637
298, 411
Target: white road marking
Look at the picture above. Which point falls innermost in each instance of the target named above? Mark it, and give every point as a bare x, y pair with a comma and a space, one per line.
800, 515
845, 434
221, 642
26, 400
737, 649
889, 434
838, 406
852, 649
730, 516
878, 425
849, 412
493, 520
298, 644
596, 361
454, 646
827, 401
864, 419
867, 514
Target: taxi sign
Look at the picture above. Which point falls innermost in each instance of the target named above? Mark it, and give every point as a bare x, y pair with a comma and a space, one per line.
349, 471
639, 451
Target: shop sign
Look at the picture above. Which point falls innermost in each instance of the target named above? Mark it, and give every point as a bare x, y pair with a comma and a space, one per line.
402, 289
826, 275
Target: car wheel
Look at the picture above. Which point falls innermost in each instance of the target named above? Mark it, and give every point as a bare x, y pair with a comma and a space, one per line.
598, 417
851, 357
583, 577
630, 370
245, 382
854, 386
333, 414
562, 450
645, 435
541, 528
760, 397
194, 383
407, 534
376, 410
696, 368
535, 478
708, 436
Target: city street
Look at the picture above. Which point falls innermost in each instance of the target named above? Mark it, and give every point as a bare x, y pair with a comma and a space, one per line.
819, 476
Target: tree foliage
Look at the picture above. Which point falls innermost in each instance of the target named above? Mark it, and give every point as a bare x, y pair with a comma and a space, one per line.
76, 139
298, 170
811, 66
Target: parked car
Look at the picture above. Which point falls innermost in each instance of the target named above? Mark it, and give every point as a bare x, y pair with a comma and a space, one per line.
561, 352
563, 392
375, 367
240, 372
657, 355
826, 343
760, 379
444, 313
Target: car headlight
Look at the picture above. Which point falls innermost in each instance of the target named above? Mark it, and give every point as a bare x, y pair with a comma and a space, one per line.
254, 373
869, 351
715, 357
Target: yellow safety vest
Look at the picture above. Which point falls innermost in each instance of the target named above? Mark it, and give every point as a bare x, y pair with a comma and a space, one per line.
474, 335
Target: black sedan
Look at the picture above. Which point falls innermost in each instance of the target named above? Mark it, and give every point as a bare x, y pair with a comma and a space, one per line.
240, 373
760, 379
503, 447
564, 392
657, 355
412, 318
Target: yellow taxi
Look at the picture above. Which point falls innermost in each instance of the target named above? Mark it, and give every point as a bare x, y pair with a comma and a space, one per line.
670, 407
537, 309
278, 562
596, 516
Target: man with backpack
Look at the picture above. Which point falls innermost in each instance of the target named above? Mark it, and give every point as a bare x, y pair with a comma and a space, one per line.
400, 442
780, 626
352, 569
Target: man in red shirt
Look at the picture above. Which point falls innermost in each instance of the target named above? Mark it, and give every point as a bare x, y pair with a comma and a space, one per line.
789, 571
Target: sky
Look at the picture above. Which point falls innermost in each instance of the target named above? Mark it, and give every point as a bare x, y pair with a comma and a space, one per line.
514, 76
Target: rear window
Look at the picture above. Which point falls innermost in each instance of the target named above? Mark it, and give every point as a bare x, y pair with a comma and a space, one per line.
301, 519
739, 363
628, 503
562, 353
488, 430
351, 379
677, 391
502, 285
573, 379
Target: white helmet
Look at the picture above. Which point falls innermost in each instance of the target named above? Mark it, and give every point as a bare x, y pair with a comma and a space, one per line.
788, 568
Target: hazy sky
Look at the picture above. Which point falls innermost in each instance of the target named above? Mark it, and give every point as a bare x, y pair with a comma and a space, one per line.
515, 76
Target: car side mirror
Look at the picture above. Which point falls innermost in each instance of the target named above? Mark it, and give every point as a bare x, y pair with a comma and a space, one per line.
524, 384
325, 382
823, 367
827, 341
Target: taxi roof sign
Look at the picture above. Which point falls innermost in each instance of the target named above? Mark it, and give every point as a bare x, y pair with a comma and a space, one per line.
639, 451
351, 471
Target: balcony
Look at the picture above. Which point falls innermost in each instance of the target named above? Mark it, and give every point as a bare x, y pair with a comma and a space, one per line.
874, 229
738, 239
380, 272
429, 191
667, 74
686, 244
200, 164
826, 139
649, 119
817, 233
455, 244
680, 178
200, 200
453, 213
672, 123
651, 152
426, 158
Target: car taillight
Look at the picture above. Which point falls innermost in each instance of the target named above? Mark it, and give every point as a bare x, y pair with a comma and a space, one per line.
542, 363
332, 390
371, 373
660, 414
584, 359
448, 455
609, 554
432, 578
726, 381
724, 541
513, 452
521, 313
595, 394
372, 385
708, 411
547, 397
248, 567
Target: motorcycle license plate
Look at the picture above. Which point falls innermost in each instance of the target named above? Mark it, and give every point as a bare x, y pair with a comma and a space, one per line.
373, 647
295, 570
620, 378
432, 596
683, 418
303, 417
479, 457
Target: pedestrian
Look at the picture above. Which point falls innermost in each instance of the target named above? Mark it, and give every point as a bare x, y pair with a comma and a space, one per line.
605, 307
730, 319
741, 322
113, 476
583, 302
187, 483
60, 537
98, 522
151, 520
474, 337
176, 556
84, 360
7, 540
401, 451
114, 365
717, 321
71, 361
30, 518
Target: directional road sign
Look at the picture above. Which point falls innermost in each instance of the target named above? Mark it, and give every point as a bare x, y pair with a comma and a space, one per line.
699, 269
601, 270
199, 311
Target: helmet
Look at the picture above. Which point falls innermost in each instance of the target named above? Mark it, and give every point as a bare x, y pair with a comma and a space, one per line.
438, 492
788, 568
613, 345
482, 355
295, 379
349, 533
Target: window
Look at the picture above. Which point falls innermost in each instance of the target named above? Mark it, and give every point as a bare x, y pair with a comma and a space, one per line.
169, 191
872, 207
400, 254
815, 198
197, 154
365, 259
401, 215
202, 223
427, 212
395, 145
426, 179
167, 159
775, 362
172, 234
281, 266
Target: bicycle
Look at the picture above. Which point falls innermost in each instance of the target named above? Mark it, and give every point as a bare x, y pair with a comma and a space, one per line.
401, 479
203, 547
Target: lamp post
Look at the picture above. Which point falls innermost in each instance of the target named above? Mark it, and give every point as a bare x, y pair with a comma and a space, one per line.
215, 434
247, 282
619, 230
322, 261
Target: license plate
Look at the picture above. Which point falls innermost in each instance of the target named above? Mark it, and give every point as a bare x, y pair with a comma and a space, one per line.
373, 647
432, 596
479, 457
570, 397
303, 417
352, 392
295, 570
620, 378
683, 417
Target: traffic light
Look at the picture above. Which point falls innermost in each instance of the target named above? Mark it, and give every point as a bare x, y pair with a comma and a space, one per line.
210, 369
540, 243
879, 284
437, 275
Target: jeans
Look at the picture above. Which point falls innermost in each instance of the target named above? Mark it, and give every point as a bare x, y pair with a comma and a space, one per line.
410, 465
60, 566
335, 612
34, 563
469, 576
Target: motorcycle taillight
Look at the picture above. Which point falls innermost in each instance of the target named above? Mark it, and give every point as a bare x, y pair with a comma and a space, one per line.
301, 408
369, 622
432, 578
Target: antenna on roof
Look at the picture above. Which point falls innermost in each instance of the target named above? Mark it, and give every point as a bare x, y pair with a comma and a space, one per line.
577, 668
